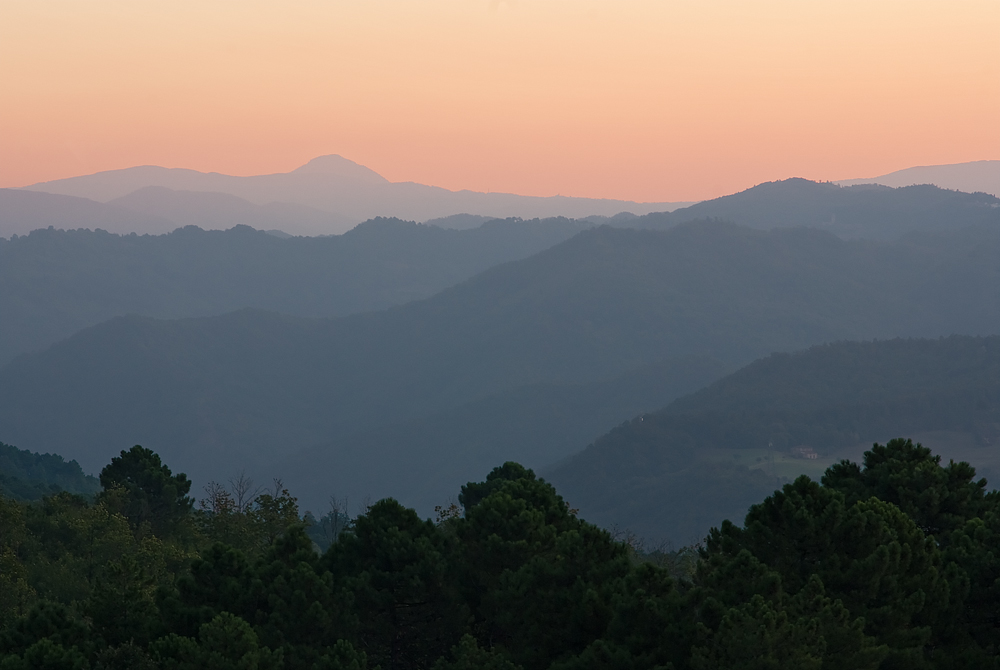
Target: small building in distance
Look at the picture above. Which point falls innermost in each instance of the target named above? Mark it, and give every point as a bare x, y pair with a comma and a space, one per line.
804, 452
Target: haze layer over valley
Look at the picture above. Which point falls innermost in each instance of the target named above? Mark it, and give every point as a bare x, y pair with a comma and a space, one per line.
528, 359
56, 282
504, 338
328, 195
81, 276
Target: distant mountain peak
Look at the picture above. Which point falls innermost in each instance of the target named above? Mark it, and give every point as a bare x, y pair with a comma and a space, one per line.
336, 165
982, 176
339, 186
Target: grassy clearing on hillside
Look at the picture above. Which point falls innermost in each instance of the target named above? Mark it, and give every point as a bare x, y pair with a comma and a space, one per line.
951, 445
776, 463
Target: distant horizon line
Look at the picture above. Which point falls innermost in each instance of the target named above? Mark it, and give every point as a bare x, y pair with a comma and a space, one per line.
340, 157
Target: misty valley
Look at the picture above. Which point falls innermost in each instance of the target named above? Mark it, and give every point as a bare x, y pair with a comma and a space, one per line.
319, 420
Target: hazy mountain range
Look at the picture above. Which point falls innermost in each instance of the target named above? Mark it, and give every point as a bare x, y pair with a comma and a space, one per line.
53, 282
331, 194
849, 212
405, 359
327, 195
977, 176
219, 393
871, 211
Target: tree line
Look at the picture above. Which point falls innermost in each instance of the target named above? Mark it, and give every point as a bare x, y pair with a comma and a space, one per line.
891, 563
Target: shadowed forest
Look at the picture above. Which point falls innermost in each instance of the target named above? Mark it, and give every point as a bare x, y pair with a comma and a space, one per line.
887, 563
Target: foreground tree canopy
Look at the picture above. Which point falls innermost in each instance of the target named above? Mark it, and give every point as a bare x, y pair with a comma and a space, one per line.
893, 563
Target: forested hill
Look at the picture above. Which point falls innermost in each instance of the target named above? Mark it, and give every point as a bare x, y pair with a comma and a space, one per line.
887, 563
219, 393
28, 476
55, 282
851, 212
705, 456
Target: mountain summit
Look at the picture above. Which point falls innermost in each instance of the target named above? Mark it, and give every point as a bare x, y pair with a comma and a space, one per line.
335, 165
346, 191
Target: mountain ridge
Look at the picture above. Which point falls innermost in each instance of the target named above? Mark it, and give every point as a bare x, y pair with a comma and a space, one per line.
973, 176
344, 188
250, 386
868, 211
52, 283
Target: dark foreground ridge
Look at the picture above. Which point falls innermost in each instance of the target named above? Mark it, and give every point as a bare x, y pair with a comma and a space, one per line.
887, 564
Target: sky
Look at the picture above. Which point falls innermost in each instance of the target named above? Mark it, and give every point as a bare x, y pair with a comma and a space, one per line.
648, 100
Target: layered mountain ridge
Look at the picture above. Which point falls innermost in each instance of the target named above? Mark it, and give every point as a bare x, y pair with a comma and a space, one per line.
218, 393
344, 191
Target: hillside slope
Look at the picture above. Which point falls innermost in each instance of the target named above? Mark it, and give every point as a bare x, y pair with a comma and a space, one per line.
253, 385
29, 476
679, 470
53, 282
855, 212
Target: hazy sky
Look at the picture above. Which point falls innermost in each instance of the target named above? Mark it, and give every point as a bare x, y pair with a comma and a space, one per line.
640, 99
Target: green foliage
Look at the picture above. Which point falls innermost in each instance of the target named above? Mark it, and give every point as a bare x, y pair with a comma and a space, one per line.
755, 636
48, 636
468, 655
292, 603
939, 499
245, 518
975, 549
327, 529
398, 570
474, 492
831, 575
540, 582
70, 545
47, 655
29, 476
122, 606
224, 643
15, 592
868, 555
151, 494
127, 656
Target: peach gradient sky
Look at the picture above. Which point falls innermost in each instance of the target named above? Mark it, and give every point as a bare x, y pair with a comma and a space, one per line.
647, 100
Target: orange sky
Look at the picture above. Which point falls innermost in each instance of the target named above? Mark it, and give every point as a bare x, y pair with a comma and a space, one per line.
647, 100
